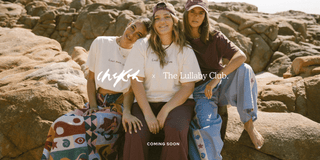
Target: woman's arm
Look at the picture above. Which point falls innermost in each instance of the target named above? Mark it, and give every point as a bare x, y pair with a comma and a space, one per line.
91, 89
140, 94
178, 99
236, 61
127, 117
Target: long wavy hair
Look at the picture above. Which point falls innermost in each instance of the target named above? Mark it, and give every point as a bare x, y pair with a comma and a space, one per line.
204, 29
156, 45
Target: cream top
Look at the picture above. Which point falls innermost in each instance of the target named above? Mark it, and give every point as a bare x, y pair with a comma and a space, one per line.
162, 83
106, 59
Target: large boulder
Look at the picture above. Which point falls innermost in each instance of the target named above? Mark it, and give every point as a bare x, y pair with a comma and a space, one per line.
261, 53
304, 66
287, 136
279, 66
244, 43
262, 31
96, 20
10, 13
38, 83
295, 94
36, 8
312, 86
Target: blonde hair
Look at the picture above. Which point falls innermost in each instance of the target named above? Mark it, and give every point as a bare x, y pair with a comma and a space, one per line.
156, 45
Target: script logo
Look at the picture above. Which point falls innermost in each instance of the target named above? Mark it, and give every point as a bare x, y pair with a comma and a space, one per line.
101, 77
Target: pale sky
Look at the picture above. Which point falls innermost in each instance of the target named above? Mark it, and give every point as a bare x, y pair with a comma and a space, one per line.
273, 6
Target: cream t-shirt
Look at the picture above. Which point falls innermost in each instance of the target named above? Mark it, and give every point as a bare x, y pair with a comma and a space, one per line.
106, 59
162, 83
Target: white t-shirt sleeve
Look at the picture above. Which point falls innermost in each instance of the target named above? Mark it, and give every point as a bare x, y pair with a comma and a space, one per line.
93, 52
190, 66
136, 59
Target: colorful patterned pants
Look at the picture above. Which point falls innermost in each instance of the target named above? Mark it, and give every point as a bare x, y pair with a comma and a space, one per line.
78, 136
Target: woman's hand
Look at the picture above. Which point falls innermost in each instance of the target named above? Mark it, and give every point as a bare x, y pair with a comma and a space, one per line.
210, 86
91, 110
131, 120
162, 116
152, 123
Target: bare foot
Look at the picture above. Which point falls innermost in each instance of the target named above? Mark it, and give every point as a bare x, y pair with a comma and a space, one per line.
255, 136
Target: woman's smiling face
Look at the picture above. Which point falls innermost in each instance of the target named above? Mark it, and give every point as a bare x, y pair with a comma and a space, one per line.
163, 22
196, 17
134, 31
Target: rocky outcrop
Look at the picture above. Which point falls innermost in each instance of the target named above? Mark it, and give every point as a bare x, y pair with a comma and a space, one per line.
10, 13
294, 94
262, 32
287, 136
232, 6
304, 66
38, 83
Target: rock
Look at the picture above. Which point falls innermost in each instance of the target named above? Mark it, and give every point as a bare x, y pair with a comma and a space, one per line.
50, 15
82, 17
277, 55
77, 4
244, 43
261, 53
67, 18
306, 65
303, 53
279, 66
10, 13
31, 22
76, 39
288, 47
272, 106
282, 132
287, 38
248, 31
122, 21
36, 8
223, 19
260, 27
273, 44
19, 41
314, 30
79, 55
99, 23
281, 93
299, 26
232, 6
38, 83
299, 90
11, 9
312, 85
286, 29
138, 8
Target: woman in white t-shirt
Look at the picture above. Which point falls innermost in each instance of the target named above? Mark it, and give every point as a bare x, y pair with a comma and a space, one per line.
91, 133
167, 70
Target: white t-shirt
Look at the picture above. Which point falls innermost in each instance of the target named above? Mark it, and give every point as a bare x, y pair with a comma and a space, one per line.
107, 58
162, 83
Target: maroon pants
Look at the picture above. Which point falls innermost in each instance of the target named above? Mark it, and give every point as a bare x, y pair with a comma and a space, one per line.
175, 145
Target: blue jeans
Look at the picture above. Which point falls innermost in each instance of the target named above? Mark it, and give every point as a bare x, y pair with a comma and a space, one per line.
238, 89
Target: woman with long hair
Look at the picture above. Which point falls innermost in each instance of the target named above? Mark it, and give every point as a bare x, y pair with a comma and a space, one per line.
166, 69
233, 84
91, 133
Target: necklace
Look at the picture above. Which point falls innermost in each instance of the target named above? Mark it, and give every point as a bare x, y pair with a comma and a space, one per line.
124, 55
168, 45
